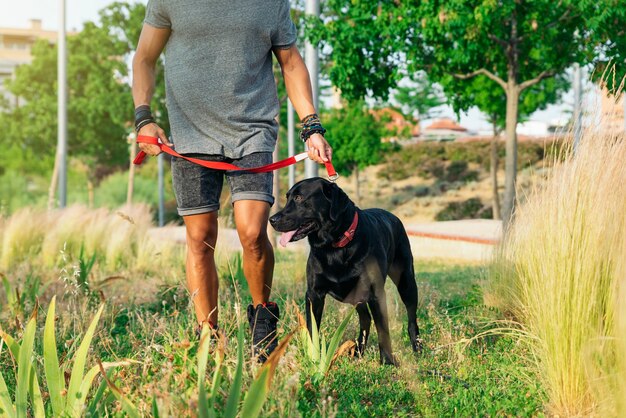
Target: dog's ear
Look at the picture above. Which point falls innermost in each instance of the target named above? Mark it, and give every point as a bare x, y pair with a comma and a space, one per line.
339, 200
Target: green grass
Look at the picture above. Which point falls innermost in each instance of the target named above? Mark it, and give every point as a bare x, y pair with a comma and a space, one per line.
147, 321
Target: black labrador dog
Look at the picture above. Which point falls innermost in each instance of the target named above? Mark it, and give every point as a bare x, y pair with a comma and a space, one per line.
352, 252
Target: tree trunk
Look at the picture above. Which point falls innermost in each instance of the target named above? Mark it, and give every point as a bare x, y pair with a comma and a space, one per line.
357, 189
131, 174
53, 184
512, 103
494, 171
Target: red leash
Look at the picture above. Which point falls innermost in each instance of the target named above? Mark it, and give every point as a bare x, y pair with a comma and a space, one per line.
217, 165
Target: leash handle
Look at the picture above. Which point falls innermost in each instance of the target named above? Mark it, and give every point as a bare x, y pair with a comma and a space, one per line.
218, 165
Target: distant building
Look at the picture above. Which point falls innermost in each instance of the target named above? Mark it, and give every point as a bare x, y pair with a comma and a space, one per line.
443, 130
401, 129
15, 50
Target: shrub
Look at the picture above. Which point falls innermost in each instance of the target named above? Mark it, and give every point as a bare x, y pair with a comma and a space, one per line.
557, 273
427, 159
468, 209
116, 239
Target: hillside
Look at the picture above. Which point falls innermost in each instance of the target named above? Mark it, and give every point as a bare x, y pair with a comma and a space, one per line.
418, 182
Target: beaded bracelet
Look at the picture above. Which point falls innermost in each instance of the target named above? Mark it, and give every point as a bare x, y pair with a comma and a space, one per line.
311, 125
306, 132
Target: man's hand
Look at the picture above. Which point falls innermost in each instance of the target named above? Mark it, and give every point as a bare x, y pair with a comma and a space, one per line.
152, 129
319, 149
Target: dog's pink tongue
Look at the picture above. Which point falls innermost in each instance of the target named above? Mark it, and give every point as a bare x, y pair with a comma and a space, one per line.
286, 237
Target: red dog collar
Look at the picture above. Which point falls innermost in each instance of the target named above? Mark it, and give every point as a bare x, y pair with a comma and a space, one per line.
349, 234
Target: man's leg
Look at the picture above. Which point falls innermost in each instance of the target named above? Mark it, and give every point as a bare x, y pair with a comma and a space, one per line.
197, 192
202, 280
258, 254
252, 199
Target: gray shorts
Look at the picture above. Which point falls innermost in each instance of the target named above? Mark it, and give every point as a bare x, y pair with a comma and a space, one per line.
198, 188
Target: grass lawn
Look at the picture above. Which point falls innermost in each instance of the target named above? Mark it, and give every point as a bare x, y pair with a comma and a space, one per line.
147, 320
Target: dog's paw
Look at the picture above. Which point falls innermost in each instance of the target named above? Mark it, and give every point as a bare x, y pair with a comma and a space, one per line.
389, 360
418, 346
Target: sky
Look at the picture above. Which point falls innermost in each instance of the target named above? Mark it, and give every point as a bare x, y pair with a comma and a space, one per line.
16, 14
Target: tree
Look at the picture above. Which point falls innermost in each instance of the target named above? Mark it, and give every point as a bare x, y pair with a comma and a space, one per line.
483, 93
356, 138
514, 43
124, 21
97, 111
419, 98
99, 100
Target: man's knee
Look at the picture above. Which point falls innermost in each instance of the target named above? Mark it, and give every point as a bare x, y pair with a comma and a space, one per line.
253, 240
201, 239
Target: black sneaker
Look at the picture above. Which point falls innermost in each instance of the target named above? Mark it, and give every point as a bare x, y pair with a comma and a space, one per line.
263, 321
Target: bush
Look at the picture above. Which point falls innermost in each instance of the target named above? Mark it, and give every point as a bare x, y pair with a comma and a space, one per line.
468, 209
428, 158
557, 273
119, 238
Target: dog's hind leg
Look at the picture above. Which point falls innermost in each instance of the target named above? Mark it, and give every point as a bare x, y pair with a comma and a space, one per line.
365, 321
403, 275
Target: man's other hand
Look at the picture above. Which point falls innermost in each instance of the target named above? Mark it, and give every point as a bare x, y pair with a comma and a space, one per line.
152, 129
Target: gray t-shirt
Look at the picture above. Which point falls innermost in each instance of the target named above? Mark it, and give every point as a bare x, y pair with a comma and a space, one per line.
220, 88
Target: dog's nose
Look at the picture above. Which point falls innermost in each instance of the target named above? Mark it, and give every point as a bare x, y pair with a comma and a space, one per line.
275, 218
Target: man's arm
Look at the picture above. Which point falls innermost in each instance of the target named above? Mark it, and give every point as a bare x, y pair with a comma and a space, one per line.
298, 86
151, 43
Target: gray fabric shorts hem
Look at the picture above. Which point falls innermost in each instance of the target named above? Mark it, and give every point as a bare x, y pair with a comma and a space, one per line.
198, 210
264, 197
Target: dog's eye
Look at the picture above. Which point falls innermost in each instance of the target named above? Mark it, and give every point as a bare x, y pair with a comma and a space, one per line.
297, 198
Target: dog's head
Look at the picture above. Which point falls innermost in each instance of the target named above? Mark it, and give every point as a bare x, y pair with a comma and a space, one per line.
314, 207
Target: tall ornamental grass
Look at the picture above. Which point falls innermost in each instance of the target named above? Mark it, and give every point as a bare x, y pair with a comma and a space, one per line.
118, 238
611, 370
557, 273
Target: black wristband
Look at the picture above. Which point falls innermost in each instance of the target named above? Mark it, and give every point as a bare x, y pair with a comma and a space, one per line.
143, 117
306, 132
142, 108
143, 122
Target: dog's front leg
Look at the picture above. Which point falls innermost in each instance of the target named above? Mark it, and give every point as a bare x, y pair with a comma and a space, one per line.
365, 321
378, 306
315, 305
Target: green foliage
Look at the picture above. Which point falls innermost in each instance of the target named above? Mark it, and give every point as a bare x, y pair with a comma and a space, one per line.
256, 395
98, 106
355, 136
319, 355
63, 400
363, 389
449, 379
22, 297
515, 44
419, 98
490, 98
99, 98
365, 55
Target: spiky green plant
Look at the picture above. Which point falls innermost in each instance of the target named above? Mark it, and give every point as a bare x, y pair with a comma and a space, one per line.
256, 395
320, 355
63, 401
